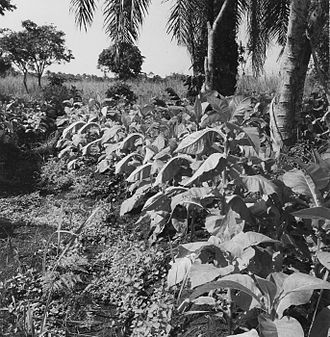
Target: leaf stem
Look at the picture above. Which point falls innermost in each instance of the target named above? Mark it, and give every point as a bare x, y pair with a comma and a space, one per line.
325, 277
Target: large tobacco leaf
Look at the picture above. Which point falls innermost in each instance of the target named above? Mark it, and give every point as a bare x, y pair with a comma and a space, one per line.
198, 142
125, 164
297, 289
210, 168
172, 169
200, 274
319, 213
302, 183
129, 143
284, 327
140, 173
258, 183
240, 282
135, 200
179, 271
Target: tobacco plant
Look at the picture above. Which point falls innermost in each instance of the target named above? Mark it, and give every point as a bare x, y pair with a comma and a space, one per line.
248, 236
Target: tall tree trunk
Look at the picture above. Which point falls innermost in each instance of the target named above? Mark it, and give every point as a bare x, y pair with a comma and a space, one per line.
226, 52
210, 58
25, 81
39, 80
293, 71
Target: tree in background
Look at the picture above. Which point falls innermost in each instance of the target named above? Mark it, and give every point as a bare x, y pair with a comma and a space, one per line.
123, 59
5, 65
6, 5
287, 22
34, 48
206, 27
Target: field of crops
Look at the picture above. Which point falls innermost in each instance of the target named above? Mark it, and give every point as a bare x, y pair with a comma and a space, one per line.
139, 211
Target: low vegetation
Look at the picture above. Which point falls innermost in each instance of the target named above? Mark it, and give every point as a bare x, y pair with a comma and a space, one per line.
175, 217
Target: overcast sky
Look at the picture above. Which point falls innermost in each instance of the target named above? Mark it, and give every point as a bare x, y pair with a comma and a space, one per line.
162, 56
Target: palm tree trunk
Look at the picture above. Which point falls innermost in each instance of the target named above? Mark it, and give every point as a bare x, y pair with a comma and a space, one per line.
209, 62
293, 71
226, 52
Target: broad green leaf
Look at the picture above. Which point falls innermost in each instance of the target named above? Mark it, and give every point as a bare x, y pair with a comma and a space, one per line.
221, 106
240, 282
299, 282
285, 327
124, 165
79, 139
203, 273
268, 289
188, 248
110, 133
198, 142
91, 147
195, 195
239, 106
135, 200
253, 136
164, 154
319, 175
149, 154
129, 142
224, 226
140, 173
103, 166
247, 136
157, 202
324, 258
89, 127
72, 129
172, 168
278, 279
205, 300
258, 183
159, 142
298, 289
321, 326
244, 240
111, 148
251, 333
302, 183
179, 270
319, 213
212, 167
208, 120
158, 221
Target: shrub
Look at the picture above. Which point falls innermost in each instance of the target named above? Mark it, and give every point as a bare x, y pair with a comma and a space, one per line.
121, 91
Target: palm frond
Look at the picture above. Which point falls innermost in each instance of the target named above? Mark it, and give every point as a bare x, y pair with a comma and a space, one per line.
275, 19
123, 19
83, 11
178, 22
257, 42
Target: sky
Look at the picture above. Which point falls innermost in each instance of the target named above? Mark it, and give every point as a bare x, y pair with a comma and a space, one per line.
162, 56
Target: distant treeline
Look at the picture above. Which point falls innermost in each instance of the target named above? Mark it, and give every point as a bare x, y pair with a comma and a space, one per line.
67, 77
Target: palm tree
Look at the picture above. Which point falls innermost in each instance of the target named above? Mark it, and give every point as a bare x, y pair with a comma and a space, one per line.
122, 18
306, 21
193, 22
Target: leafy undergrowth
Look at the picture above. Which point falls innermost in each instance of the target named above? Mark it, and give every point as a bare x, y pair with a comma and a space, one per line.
106, 281
172, 219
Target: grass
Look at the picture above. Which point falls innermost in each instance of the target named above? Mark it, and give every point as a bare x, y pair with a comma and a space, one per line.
145, 89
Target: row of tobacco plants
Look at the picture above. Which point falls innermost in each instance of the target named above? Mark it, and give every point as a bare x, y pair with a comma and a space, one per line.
243, 230
246, 228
